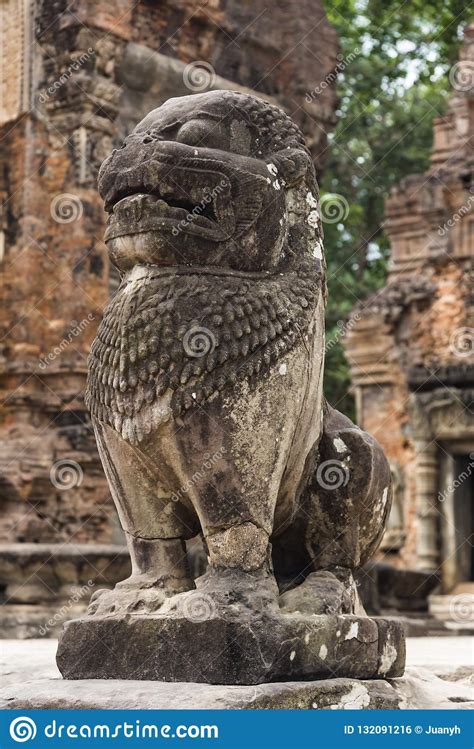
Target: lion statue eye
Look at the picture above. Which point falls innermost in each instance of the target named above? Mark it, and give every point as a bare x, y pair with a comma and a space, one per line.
203, 133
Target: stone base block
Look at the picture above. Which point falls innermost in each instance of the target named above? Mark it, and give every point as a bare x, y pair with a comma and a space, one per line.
220, 650
29, 680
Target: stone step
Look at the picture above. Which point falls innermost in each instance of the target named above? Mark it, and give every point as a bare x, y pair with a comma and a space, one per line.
456, 608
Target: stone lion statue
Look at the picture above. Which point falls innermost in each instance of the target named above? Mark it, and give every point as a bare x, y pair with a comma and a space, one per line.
205, 390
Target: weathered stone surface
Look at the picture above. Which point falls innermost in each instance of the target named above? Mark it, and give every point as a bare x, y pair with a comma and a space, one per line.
225, 650
427, 684
405, 590
331, 694
92, 83
54, 567
320, 593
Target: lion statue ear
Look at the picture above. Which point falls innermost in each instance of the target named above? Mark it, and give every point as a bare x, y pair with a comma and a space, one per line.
291, 165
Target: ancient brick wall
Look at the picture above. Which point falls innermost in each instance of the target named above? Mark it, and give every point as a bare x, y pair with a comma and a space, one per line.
79, 75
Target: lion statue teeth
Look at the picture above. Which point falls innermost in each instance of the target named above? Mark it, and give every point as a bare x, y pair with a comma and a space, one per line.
205, 390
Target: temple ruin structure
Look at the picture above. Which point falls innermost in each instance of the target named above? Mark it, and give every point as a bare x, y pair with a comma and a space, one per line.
411, 350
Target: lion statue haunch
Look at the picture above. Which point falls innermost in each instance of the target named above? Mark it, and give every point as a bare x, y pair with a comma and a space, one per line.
205, 390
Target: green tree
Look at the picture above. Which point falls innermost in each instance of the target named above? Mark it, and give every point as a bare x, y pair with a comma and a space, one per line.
394, 63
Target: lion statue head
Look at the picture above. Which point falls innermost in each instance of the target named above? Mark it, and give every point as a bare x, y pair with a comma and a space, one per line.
214, 179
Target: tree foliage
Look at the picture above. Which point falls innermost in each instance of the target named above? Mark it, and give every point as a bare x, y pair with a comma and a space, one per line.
393, 81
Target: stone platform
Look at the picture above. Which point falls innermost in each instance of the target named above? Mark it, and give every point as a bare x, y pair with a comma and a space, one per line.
45, 584
437, 677
231, 650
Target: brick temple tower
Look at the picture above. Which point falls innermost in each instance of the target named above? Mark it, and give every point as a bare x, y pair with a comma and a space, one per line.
411, 350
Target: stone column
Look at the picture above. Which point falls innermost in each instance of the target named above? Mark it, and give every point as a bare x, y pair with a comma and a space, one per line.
426, 501
448, 535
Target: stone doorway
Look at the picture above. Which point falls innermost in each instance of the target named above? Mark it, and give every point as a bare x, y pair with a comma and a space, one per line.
457, 516
464, 515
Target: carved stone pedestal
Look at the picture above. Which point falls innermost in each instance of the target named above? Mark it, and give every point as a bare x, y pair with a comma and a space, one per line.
231, 650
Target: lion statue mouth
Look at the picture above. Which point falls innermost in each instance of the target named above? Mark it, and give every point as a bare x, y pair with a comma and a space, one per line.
142, 212
184, 190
